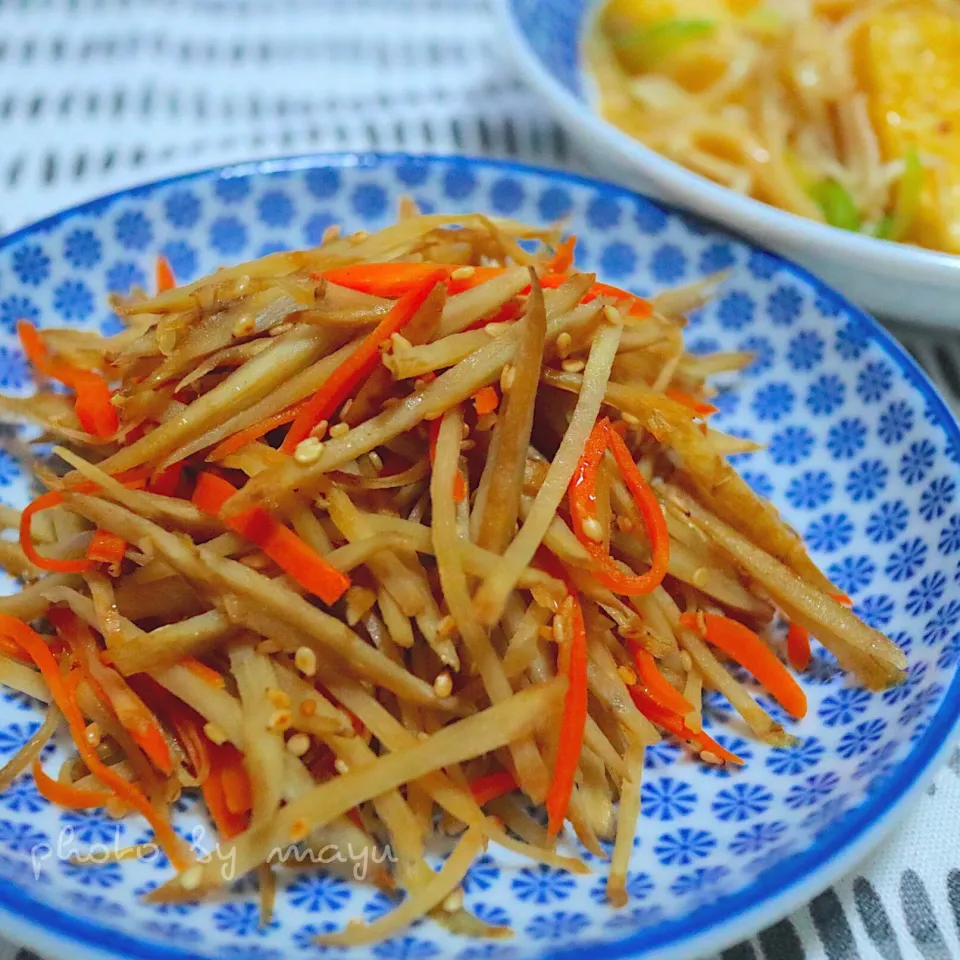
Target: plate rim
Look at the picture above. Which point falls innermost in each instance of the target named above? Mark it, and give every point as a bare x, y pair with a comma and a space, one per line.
739, 915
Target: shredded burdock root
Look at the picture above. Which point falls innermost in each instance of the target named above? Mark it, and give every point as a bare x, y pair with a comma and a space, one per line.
410, 529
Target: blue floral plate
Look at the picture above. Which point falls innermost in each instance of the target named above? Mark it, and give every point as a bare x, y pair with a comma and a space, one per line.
861, 455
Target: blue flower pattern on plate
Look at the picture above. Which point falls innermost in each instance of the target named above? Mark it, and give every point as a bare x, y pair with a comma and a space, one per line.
855, 457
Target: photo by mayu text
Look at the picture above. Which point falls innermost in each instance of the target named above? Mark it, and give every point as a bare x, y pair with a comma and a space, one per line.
66, 848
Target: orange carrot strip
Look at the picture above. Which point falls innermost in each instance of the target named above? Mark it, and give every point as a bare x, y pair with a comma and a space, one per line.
485, 400
278, 542
742, 645
700, 407
205, 673
798, 647
44, 502
106, 547
134, 715
583, 508
255, 431
359, 365
639, 308
93, 404
236, 783
165, 278
65, 794
32, 643
492, 785
656, 685
675, 724
509, 312
563, 258
165, 482
842, 599
572, 723
398, 278
227, 799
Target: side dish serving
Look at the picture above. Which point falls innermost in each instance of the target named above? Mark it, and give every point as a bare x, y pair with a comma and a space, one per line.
402, 536
844, 111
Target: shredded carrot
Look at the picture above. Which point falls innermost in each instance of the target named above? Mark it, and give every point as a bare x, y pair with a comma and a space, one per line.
700, 407
656, 685
228, 760
360, 364
492, 785
583, 509
563, 258
255, 431
572, 723
842, 599
744, 646
165, 278
32, 644
93, 403
485, 400
44, 502
165, 482
107, 547
65, 794
278, 542
798, 647
227, 790
186, 724
675, 724
459, 484
134, 715
395, 279
205, 673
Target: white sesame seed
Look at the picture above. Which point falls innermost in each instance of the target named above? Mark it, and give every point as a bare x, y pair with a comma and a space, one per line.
573, 366
463, 273
339, 430
298, 744
628, 676
341, 766
266, 647
564, 343
244, 327
507, 378
278, 698
331, 233
443, 685
299, 830
630, 419
345, 409
308, 451
708, 756
593, 529
192, 878
215, 734
306, 661
376, 461
93, 734
454, 901
612, 315
280, 721
320, 430
700, 577
625, 524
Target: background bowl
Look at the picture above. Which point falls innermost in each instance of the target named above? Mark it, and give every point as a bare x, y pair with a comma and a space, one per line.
861, 457
892, 280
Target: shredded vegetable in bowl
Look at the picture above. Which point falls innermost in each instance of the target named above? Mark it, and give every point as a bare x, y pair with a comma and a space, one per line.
842, 111
404, 534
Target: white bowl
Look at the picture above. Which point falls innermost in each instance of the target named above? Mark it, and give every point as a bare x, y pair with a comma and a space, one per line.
891, 280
